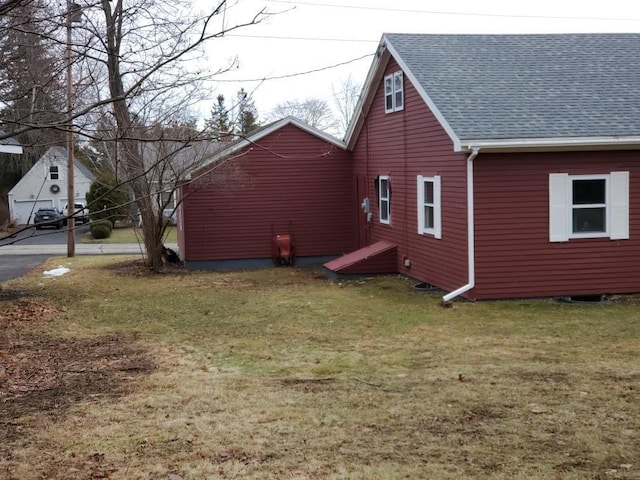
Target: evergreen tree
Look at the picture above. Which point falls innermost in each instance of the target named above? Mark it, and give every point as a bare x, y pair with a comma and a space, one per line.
247, 118
31, 85
107, 200
218, 123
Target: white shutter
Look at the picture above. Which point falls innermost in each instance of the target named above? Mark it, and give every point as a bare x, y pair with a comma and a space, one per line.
420, 202
619, 211
558, 207
437, 210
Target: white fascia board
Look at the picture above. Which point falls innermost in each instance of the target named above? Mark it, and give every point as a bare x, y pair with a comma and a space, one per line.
560, 143
425, 96
16, 149
313, 131
365, 100
274, 127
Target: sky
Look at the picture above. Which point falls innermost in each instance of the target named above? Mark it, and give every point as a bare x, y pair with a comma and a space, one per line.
336, 39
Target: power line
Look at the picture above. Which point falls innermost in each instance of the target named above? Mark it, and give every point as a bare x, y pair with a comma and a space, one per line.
298, 74
444, 12
275, 37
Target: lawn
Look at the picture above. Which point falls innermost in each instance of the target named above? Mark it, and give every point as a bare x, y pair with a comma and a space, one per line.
129, 235
110, 372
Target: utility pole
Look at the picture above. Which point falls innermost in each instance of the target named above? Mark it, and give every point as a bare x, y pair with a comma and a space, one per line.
73, 15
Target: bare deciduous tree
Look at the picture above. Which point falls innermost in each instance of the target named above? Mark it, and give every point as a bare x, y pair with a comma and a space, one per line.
139, 65
346, 95
150, 52
313, 111
30, 85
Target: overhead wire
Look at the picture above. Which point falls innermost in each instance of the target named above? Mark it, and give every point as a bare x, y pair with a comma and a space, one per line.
313, 39
297, 74
446, 12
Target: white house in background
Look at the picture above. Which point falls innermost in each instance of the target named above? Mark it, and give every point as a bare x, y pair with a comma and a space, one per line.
10, 145
45, 185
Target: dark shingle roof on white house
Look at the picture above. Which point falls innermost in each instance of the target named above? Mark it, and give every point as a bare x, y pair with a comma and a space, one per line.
9, 144
524, 87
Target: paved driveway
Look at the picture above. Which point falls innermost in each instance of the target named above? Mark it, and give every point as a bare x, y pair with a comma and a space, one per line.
31, 248
47, 236
14, 266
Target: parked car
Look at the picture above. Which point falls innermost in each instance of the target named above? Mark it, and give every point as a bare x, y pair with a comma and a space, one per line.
83, 213
48, 217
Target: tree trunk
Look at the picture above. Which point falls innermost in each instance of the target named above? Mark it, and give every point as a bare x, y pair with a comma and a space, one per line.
129, 147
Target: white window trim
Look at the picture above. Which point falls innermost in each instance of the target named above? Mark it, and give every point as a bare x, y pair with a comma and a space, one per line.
386, 196
561, 206
51, 173
436, 231
572, 207
391, 79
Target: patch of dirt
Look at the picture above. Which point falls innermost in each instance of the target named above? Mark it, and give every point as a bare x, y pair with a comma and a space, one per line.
41, 374
7, 295
309, 385
137, 268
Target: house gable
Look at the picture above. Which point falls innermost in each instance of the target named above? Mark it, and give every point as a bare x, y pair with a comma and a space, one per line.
37, 188
286, 180
254, 139
403, 147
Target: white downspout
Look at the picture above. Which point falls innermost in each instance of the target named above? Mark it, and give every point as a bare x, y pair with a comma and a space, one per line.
470, 232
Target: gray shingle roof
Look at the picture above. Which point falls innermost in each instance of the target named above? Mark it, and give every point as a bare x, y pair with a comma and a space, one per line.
9, 140
528, 86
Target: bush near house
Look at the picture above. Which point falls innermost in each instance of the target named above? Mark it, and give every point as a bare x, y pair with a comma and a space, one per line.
107, 200
100, 230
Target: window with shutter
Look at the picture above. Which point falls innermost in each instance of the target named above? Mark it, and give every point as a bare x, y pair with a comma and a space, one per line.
429, 207
588, 206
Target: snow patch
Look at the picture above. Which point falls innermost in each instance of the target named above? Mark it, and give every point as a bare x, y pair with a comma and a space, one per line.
56, 272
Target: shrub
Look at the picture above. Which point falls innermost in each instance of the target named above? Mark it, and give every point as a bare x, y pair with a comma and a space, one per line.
100, 230
107, 199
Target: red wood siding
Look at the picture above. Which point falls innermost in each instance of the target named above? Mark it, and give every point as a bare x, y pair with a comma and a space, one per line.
404, 145
290, 182
514, 257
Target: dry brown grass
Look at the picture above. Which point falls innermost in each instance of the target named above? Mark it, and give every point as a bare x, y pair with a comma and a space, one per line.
281, 374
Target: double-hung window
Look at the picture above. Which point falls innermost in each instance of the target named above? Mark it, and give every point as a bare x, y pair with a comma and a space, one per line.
53, 172
588, 206
384, 199
393, 92
429, 207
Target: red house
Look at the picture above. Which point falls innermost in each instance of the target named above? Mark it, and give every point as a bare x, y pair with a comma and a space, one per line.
490, 166
285, 179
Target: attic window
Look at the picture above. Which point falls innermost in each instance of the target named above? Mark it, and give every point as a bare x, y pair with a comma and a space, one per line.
393, 92
53, 172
